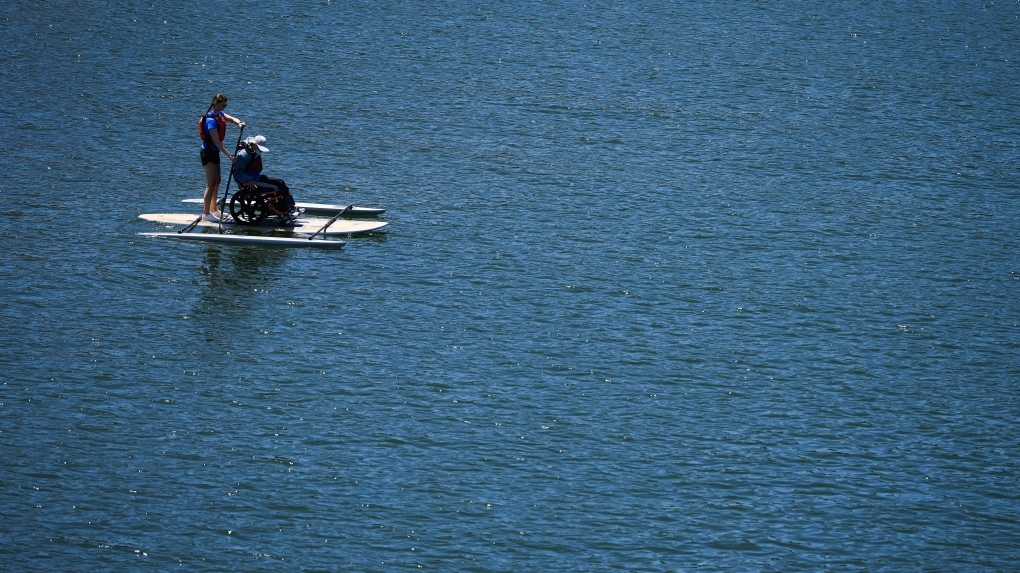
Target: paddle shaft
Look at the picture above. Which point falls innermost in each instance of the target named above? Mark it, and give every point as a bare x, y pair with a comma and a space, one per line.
331, 221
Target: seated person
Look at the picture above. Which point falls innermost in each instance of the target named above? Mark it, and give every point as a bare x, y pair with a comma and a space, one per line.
247, 170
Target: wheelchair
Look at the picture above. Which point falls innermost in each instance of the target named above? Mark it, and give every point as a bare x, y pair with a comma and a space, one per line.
252, 206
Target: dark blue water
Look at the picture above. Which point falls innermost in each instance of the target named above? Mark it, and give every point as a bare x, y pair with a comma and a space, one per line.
665, 287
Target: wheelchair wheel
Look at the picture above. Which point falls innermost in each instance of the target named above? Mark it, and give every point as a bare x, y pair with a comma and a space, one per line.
274, 204
248, 207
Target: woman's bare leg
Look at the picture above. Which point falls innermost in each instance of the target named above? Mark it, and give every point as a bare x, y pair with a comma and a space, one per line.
212, 188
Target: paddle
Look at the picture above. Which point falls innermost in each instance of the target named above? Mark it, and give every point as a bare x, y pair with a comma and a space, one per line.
331, 221
226, 190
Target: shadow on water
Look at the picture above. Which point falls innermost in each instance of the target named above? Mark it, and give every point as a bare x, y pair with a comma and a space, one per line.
373, 237
235, 275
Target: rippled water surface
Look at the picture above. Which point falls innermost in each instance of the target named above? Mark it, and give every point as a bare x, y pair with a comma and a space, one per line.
666, 286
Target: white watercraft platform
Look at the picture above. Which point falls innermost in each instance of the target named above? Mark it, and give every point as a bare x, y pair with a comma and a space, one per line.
304, 225
320, 209
317, 243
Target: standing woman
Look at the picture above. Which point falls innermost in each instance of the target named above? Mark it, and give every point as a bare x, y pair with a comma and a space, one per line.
213, 127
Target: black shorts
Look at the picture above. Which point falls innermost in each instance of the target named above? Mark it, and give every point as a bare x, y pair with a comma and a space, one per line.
210, 156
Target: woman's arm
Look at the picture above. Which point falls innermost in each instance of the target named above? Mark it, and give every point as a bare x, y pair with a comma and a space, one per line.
223, 149
234, 119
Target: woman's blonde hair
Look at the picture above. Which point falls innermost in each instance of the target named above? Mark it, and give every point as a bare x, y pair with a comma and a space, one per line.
218, 98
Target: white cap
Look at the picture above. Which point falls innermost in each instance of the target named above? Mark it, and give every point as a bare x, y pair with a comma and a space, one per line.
257, 141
